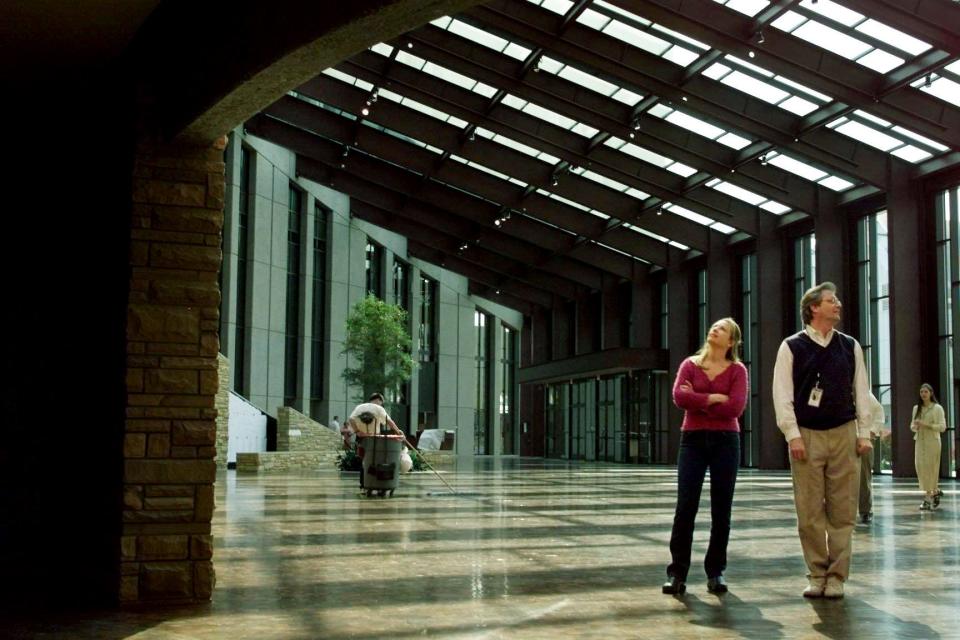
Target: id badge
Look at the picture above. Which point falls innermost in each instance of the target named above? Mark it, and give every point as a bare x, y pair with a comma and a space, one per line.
815, 395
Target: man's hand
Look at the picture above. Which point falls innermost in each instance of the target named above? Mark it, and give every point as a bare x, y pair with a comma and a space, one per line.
864, 446
797, 450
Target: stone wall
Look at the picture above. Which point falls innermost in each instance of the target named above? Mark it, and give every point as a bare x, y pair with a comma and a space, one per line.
222, 403
286, 460
172, 374
297, 432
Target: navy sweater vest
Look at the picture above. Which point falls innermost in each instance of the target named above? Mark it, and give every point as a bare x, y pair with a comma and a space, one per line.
835, 365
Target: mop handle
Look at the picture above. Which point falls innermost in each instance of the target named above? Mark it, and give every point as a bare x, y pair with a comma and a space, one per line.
424, 460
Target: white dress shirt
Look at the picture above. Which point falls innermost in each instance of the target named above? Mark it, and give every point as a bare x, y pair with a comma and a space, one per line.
783, 387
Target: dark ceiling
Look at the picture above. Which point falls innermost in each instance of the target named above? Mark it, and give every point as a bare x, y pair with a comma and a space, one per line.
492, 180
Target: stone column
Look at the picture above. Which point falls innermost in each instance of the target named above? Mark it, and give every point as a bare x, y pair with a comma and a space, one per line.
223, 410
172, 375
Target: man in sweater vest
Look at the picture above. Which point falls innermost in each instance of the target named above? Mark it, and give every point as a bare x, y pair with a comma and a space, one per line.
821, 397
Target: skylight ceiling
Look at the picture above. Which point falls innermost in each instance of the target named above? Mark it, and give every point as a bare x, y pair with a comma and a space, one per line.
627, 133
850, 34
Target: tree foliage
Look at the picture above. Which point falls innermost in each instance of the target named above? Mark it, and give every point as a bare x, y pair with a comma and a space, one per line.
379, 343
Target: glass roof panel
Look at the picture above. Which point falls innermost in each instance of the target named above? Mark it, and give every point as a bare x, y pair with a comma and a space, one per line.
635, 37
594, 212
681, 169
919, 138
682, 37
479, 36
689, 215
722, 228
750, 85
604, 180
584, 130
547, 115
627, 97
572, 203
410, 60
443, 22
383, 48
797, 105
749, 65
516, 51
733, 140
880, 61
834, 11
645, 232
739, 193
546, 157
557, 6
802, 169
513, 144
868, 135
954, 67
484, 89
678, 55
835, 183
550, 65
623, 12
748, 7
893, 37
425, 109
636, 193
807, 90
593, 19
945, 89
716, 71
449, 75
588, 80
831, 39
872, 118
911, 153
513, 101
659, 110
775, 207
646, 155
457, 122
694, 124
789, 21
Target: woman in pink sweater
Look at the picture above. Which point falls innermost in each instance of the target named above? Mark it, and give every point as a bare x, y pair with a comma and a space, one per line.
711, 387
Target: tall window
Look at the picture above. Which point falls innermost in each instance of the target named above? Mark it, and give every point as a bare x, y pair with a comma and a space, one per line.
703, 322
427, 354
481, 427
243, 222
874, 288
804, 269
508, 366
664, 316
374, 267
749, 316
318, 309
401, 284
292, 346
948, 322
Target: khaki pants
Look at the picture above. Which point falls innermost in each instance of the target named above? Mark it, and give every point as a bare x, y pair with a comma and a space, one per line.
866, 483
825, 493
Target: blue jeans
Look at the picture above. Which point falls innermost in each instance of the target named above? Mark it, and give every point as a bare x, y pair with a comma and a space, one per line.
718, 451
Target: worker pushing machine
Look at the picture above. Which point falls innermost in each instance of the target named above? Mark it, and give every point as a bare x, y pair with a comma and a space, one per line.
379, 450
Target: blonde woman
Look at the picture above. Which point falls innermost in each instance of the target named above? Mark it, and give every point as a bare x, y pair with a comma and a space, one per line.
712, 389
927, 425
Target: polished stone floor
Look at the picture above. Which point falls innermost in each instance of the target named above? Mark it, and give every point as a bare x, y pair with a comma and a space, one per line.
539, 549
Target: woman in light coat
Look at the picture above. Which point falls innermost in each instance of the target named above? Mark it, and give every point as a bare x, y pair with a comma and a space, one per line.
927, 425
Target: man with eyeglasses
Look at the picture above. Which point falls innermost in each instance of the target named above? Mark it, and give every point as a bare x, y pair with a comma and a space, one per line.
821, 398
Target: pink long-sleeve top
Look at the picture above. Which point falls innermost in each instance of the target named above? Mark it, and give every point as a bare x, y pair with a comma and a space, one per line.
698, 412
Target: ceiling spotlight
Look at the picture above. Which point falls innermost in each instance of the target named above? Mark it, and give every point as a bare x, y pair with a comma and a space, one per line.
473, 135
660, 211
506, 216
409, 45
796, 139
685, 99
463, 247
763, 159
555, 181
498, 222
365, 111
928, 81
752, 53
343, 165
760, 38
636, 124
631, 135
498, 291
346, 152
